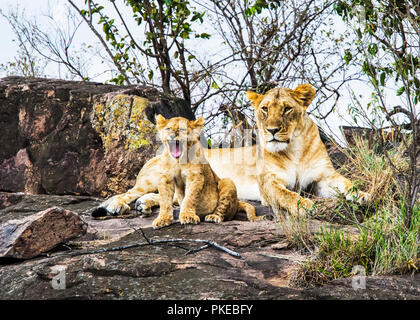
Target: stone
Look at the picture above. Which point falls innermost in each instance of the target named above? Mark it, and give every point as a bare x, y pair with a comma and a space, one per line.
154, 272
81, 138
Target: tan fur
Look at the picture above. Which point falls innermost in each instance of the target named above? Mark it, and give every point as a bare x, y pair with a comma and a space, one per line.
271, 171
295, 159
187, 177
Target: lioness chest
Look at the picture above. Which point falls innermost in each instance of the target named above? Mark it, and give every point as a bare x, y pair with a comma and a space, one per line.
298, 174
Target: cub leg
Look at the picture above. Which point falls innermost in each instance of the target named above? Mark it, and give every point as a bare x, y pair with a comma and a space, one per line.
166, 191
273, 190
227, 205
194, 187
330, 185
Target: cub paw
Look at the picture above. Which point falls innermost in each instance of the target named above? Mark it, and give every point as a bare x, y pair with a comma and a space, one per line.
213, 218
162, 221
185, 218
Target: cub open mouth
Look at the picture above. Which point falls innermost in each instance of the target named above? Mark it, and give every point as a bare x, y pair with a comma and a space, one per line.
175, 148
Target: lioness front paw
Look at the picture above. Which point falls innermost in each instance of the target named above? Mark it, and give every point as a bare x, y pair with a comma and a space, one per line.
162, 221
143, 208
303, 206
305, 203
117, 206
364, 197
213, 218
359, 197
189, 217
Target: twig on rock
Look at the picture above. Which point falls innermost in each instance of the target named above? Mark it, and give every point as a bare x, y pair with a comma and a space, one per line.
208, 243
194, 250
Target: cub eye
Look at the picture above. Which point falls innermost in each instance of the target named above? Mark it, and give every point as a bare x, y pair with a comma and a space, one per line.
264, 110
287, 109
182, 130
168, 129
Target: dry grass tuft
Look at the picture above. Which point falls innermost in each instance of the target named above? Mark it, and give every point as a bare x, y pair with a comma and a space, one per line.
384, 244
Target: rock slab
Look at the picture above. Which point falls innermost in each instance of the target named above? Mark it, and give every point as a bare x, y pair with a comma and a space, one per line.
154, 272
79, 138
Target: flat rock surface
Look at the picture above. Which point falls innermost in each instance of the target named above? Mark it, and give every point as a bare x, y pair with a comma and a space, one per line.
165, 271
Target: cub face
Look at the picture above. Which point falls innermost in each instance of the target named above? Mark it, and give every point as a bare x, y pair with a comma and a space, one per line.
178, 134
279, 112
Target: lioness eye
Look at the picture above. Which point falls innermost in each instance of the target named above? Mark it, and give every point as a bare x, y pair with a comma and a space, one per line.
182, 130
287, 109
264, 110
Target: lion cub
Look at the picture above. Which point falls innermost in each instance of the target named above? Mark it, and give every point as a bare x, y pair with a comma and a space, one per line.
186, 174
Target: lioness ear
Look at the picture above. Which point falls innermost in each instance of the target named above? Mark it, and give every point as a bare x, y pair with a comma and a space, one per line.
255, 98
160, 121
304, 93
199, 123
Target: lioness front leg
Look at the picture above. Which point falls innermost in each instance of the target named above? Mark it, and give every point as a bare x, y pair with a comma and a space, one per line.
166, 194
273, 190
194, 187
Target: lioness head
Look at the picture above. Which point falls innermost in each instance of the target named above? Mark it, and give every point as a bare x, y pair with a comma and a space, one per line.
279, 113
178, 134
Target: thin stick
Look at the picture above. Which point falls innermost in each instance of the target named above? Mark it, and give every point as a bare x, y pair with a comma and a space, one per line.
210, 243
194, 250
158, 242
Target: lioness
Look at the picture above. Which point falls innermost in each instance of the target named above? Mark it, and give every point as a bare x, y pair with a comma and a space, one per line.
289, 156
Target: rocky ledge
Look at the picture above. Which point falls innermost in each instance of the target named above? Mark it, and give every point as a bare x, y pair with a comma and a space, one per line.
170, 270
81, 138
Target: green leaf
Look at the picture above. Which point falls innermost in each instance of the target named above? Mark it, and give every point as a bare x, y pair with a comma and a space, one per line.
382, 79
215, 86
348, 57
400, 91
205, 36
373, 49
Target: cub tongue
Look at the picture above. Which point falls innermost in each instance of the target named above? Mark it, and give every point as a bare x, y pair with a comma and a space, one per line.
175, 150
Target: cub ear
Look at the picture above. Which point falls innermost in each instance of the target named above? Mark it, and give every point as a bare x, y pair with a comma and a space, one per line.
255, 98
160, 121
304, 94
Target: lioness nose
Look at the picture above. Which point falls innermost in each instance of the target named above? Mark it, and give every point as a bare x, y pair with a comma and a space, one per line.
273, 131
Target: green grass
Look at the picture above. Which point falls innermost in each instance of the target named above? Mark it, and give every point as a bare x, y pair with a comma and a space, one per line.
383, 245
